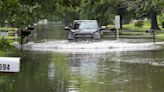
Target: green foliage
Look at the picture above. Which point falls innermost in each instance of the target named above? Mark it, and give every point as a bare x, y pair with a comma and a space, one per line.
67, 10
101, 10
24, 12
139, 24
2, 54
4, 44
146, 8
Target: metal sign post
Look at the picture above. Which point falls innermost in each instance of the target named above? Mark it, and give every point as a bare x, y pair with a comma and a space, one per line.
117, 25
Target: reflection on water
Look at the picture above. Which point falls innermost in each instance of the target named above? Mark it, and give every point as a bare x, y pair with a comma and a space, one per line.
110, 72
48, 31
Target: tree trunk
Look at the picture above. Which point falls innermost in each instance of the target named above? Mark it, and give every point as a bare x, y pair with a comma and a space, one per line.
153, 16
66, 16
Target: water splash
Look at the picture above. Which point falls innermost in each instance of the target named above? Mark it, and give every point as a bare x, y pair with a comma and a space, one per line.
87, 46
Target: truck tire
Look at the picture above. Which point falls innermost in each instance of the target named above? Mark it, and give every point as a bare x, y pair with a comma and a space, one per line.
97, 36
71, 36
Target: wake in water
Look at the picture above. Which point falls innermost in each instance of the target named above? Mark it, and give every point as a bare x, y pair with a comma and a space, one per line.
95, 47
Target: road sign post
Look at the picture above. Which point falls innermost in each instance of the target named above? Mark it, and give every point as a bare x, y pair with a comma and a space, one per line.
117, 25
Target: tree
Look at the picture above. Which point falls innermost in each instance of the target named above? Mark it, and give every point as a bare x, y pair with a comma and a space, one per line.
146, 8
25, 12
7, 10
32, 11
121, 9
101, 10
67, 10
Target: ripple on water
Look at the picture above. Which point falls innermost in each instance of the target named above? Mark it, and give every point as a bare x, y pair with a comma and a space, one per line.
93, 47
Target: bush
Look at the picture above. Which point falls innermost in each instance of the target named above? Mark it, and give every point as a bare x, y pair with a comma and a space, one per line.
4, 44
163, 24
139, 24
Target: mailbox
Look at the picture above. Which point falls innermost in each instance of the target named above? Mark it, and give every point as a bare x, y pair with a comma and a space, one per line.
9, 64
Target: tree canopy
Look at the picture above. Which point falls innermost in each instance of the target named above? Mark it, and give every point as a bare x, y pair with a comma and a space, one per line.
24, 12
146, 8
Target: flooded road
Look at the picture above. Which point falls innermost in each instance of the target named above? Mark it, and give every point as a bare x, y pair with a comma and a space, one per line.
112, 71
104, 46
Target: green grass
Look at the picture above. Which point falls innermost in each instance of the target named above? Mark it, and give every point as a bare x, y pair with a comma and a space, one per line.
2, 53
160, 35
139, 31
110, 26
9, 37
132, 33
8, 28
132, 26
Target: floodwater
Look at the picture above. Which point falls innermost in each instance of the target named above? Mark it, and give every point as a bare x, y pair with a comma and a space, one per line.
79, 69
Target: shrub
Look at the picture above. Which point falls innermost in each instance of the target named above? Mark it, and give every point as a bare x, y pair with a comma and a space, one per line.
139, 24
4, 44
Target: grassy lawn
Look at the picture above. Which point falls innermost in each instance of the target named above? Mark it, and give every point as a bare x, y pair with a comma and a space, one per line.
8, 28
144, 28
132, 27
2, 54
9, 37
138, 31
160, 36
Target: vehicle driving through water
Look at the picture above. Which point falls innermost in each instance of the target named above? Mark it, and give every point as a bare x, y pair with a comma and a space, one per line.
84, 29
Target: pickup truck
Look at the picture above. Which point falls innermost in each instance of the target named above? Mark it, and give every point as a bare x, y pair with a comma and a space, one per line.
84, 28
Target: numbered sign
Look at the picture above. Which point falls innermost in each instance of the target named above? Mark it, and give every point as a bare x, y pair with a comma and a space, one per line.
9, 64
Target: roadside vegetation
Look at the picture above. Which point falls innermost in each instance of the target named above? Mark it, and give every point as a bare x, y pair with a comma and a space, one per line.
8, 28
6, 48
138, 28
21, 13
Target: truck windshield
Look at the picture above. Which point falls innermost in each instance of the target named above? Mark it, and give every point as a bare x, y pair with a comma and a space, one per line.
88, 25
